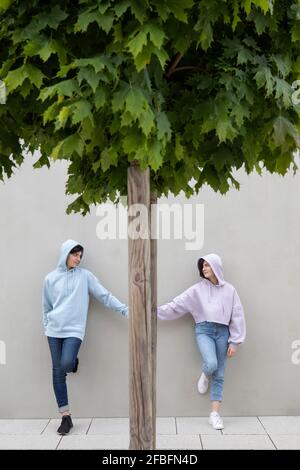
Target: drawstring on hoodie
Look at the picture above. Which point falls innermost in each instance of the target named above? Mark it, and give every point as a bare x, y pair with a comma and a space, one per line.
209, 292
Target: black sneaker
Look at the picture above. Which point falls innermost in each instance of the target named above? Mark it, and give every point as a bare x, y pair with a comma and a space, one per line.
66, 425
76, 365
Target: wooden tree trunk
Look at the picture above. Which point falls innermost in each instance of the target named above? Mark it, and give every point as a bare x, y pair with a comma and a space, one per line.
141, 345
153, 245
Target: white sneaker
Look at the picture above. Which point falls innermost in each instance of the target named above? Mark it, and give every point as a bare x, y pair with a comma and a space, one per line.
203, 383
215, 420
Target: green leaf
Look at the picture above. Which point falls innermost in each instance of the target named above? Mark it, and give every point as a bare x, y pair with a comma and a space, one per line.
126, 120
64, 69
283, 64
63, 88
225, 130
82, 110
64, 115
296, 32
236, 19
282, 128
144, 57
100, 97
90, 76
45, 47
119, 97
85, 18
162, 56
133, 141
25, 88
67, 147
121, 7
146, 121
179, 150
138, 10
54, 17
179, 9
284, 91
283, 162
103, 6
106, 21
206, 35
5, 4
265, 5
109, 157
135, 45
99, 63
156, 34
15, 78
92, 14
244, 55
164, 131
260, 22
51, 112
263, 77
135, 102
155, 158
35, 75
240, 112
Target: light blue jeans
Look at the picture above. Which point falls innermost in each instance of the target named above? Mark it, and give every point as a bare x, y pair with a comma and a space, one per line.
212, 340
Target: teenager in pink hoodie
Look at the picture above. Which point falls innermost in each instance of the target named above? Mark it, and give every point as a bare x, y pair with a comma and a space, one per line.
220, 326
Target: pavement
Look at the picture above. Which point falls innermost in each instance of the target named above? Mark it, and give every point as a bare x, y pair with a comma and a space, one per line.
255, 432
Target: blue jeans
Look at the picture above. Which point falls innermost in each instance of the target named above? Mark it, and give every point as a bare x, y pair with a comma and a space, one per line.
63, 353
212, 340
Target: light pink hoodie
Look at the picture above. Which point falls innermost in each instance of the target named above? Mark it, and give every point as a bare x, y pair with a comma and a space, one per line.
206, 301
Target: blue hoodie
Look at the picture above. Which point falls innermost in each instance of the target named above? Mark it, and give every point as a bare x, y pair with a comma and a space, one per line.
66, 297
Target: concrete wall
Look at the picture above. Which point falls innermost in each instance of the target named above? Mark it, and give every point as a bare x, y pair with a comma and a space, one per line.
254, 230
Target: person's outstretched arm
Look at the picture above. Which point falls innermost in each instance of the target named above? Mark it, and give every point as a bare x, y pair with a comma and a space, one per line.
237, 325
47, 305
179, 306
104, 296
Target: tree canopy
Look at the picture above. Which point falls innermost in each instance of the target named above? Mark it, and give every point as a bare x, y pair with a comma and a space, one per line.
191, 89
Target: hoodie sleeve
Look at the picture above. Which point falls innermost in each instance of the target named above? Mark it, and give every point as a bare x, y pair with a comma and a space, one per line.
104, 296
180, 305
47, 305
237, 324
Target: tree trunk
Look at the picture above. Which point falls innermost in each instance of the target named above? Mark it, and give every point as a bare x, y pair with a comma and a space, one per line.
141, 411
153, 244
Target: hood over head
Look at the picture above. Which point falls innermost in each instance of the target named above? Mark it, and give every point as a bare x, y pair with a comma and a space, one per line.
66, 247
215, 263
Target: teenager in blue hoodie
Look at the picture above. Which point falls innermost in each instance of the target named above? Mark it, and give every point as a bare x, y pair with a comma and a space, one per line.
66, 293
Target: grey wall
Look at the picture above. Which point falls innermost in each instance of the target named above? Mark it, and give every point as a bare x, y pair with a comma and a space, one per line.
254, 230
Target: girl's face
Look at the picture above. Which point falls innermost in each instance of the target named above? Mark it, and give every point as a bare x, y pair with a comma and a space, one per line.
74, 259
207, 271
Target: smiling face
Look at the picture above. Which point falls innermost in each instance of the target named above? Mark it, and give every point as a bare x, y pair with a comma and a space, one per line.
74, 259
